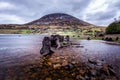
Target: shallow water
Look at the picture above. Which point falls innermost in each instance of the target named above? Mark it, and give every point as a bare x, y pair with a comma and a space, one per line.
99, 50
14, 47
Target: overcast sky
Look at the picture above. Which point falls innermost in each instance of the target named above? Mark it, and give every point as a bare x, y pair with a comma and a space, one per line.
98, 12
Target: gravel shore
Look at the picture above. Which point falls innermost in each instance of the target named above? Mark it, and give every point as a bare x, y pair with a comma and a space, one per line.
64, 64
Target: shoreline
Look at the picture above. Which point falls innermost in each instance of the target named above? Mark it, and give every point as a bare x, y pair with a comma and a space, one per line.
65, 62
112, 43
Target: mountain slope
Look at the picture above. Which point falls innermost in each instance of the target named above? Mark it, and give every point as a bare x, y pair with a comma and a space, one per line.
60, 19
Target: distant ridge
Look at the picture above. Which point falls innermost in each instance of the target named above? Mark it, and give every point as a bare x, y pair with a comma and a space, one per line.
59, 19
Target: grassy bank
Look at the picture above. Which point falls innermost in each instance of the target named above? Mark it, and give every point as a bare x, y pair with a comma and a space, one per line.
15, 31
73, 33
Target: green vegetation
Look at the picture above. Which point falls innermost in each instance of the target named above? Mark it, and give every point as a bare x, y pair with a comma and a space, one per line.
9, 31
70, 31
15, 31
113, 28
25, 31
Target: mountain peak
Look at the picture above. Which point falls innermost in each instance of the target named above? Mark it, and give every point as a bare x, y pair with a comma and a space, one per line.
60, 19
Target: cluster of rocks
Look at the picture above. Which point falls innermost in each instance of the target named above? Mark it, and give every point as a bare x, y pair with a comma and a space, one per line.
72, 70
65, 68
56, 41
110, 39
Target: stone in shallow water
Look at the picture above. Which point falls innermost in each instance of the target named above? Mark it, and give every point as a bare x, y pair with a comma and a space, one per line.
65, 63
93, 72
48, 78
82, 72
46, 47
69, 66
105, 69
68, 78
79, 77
56, 65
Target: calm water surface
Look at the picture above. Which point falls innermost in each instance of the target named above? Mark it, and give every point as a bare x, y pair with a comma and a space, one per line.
14, 47
99, 50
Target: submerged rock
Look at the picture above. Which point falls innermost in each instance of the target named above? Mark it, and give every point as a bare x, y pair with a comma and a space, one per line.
48, 78
56, 65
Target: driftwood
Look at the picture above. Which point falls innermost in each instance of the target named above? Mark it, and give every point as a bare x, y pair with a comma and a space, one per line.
46, 47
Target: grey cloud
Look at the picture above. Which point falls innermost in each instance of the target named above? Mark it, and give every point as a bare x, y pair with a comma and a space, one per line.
115, 4
107, 16
102, 15
30, 10
81, 5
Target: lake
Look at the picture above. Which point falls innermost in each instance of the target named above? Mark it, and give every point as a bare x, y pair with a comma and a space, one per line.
15, 49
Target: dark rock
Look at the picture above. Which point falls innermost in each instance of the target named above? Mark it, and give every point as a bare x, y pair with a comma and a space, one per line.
75, 43
108, 39
61, 38
87, 78
79, 46
79, 77
69, 66
101, 35
33, 69
102, 38
55, 40
92, 62
117, 38
67, 38
88, 38
111, 71
46, 47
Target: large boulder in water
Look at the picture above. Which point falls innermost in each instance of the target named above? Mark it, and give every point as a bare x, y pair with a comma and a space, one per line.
46, 47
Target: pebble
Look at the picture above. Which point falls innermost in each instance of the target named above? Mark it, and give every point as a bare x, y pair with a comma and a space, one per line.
48, 78
79, 77
56, 65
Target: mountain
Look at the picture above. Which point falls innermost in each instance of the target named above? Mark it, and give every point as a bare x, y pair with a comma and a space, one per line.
55, 20
59, 19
